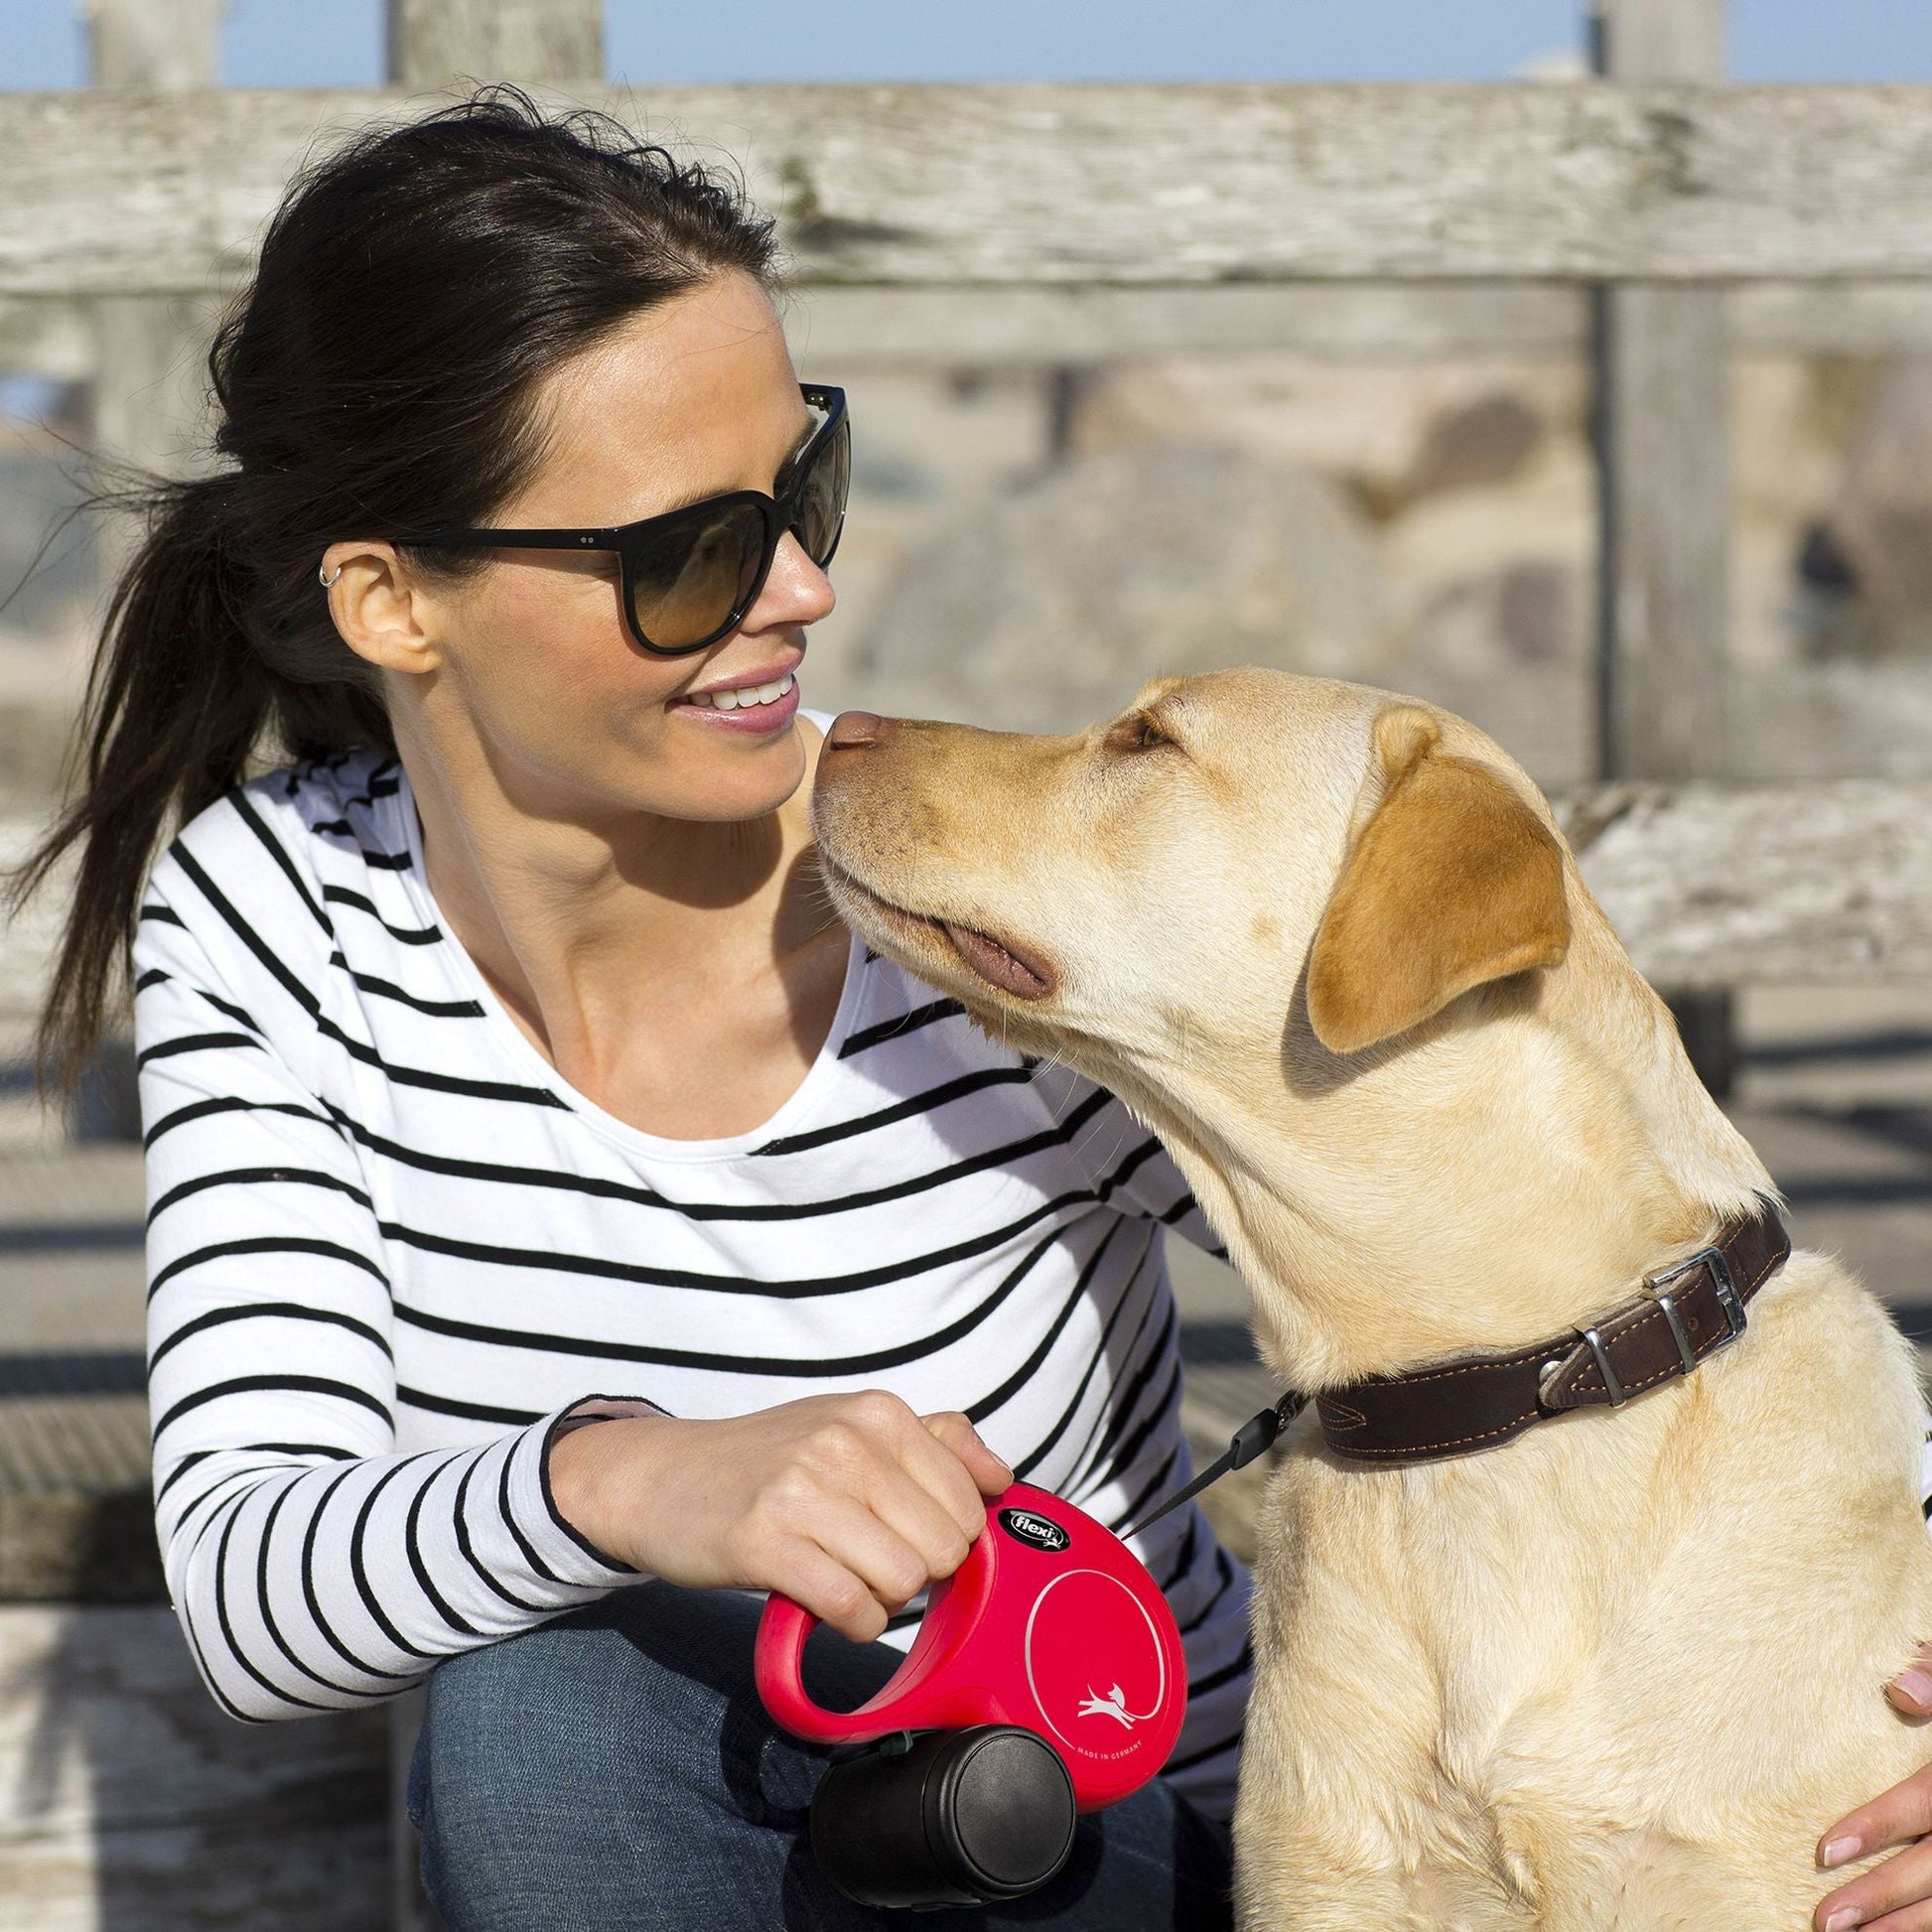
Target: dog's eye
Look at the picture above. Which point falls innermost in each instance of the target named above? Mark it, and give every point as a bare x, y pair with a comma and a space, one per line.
1137, 734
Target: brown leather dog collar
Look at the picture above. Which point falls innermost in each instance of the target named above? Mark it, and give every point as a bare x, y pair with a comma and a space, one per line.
1684, 1314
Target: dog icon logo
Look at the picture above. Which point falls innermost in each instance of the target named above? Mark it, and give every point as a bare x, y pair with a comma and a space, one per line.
1113, 1705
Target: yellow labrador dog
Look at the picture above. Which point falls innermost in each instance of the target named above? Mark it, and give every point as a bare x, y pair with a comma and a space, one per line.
1620, 1669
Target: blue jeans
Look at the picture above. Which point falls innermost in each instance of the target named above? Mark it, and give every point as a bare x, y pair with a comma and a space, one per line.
616, 1770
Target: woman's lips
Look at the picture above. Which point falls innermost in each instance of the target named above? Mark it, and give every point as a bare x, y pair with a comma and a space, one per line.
756, 719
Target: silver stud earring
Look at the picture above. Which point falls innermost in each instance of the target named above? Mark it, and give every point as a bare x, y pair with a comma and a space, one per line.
327, 582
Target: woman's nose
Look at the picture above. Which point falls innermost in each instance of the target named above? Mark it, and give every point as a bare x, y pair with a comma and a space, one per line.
796, 589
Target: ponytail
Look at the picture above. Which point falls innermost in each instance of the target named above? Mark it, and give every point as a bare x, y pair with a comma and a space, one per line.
412, 292
178, 702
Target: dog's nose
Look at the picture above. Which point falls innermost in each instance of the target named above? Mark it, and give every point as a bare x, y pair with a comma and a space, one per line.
852, 731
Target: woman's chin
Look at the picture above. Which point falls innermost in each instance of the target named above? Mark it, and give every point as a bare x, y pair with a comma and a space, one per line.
721, 782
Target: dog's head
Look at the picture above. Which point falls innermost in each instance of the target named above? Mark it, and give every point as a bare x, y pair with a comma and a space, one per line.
1236, 858
1330, 944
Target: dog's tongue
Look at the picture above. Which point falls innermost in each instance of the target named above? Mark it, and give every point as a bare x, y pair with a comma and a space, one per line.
998, 967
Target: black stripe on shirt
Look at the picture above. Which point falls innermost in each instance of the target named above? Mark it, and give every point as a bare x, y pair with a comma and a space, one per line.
331, 1490
264, 1597
281, 1384
227, 1104
264, 1312
636, 1352
248, 1177
389, 990
919, 1103
266, 1245
807, 1288
597, 1187
246, 812
403, 935
166, 1050
898, 1026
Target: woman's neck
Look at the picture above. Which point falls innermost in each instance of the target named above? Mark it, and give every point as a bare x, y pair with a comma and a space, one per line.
600, 930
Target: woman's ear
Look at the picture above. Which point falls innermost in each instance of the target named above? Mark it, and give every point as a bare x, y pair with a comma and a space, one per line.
377, 606
1453, 881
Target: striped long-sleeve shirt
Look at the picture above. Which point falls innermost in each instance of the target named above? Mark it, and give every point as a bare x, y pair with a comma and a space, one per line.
388, 1247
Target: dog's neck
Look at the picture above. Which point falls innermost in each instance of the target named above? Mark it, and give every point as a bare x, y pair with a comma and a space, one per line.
1520, 1165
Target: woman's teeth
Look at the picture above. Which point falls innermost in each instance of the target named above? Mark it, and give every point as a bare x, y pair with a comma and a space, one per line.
744, 697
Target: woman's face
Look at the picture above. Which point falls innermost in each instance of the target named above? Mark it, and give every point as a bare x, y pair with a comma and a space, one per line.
530, 661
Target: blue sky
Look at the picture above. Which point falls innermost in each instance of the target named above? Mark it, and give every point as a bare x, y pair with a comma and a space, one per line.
330, 43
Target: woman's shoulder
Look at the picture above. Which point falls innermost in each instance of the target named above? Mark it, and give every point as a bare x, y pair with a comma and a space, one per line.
298, 816
261, 861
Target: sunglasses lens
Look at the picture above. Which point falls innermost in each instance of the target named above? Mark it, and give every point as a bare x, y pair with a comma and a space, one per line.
819, 511
688, 579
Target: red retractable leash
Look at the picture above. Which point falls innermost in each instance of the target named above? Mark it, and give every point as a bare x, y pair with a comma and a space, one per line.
1046, 1679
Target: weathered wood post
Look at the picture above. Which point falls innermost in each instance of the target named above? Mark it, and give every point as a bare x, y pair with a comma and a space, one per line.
150, 372
1664, 462
434, 43
1663, 434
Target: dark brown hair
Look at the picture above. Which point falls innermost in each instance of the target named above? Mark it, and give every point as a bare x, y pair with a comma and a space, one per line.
376, 375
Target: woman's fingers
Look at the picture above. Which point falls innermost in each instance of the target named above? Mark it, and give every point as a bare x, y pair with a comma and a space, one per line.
954, 1432
1895, 1895
855, 1535
1911, 1690
1894, 1816
1914, 1918
907, 1506
822, 1585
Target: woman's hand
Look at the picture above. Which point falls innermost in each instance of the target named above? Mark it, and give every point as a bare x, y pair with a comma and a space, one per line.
849, 1504
1895, 1896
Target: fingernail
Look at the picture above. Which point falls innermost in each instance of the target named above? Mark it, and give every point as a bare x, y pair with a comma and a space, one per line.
1916, 1686
1836, 1851
1844, 1919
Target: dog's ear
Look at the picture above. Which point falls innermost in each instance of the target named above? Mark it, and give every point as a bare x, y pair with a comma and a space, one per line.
1453, 881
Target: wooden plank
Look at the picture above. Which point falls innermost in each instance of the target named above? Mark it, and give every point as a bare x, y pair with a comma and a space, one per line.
1104, 185
440, 42
1663, 442
1713, 885
76, 1501
831, 326
1344, 322
169, 43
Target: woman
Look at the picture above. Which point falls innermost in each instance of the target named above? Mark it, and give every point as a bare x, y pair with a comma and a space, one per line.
501, 1063
558, 1224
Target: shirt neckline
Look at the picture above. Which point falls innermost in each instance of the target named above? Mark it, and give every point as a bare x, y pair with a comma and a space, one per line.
803, 1100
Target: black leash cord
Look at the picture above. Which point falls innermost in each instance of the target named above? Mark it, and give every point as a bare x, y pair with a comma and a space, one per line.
1248, 1441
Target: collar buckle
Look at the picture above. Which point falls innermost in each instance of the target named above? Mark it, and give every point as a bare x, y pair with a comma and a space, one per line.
1728, 1299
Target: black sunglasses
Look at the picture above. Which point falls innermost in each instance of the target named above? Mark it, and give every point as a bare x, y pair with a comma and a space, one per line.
691, 575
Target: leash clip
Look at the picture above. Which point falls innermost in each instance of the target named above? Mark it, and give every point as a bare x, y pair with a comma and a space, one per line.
1254, 1435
